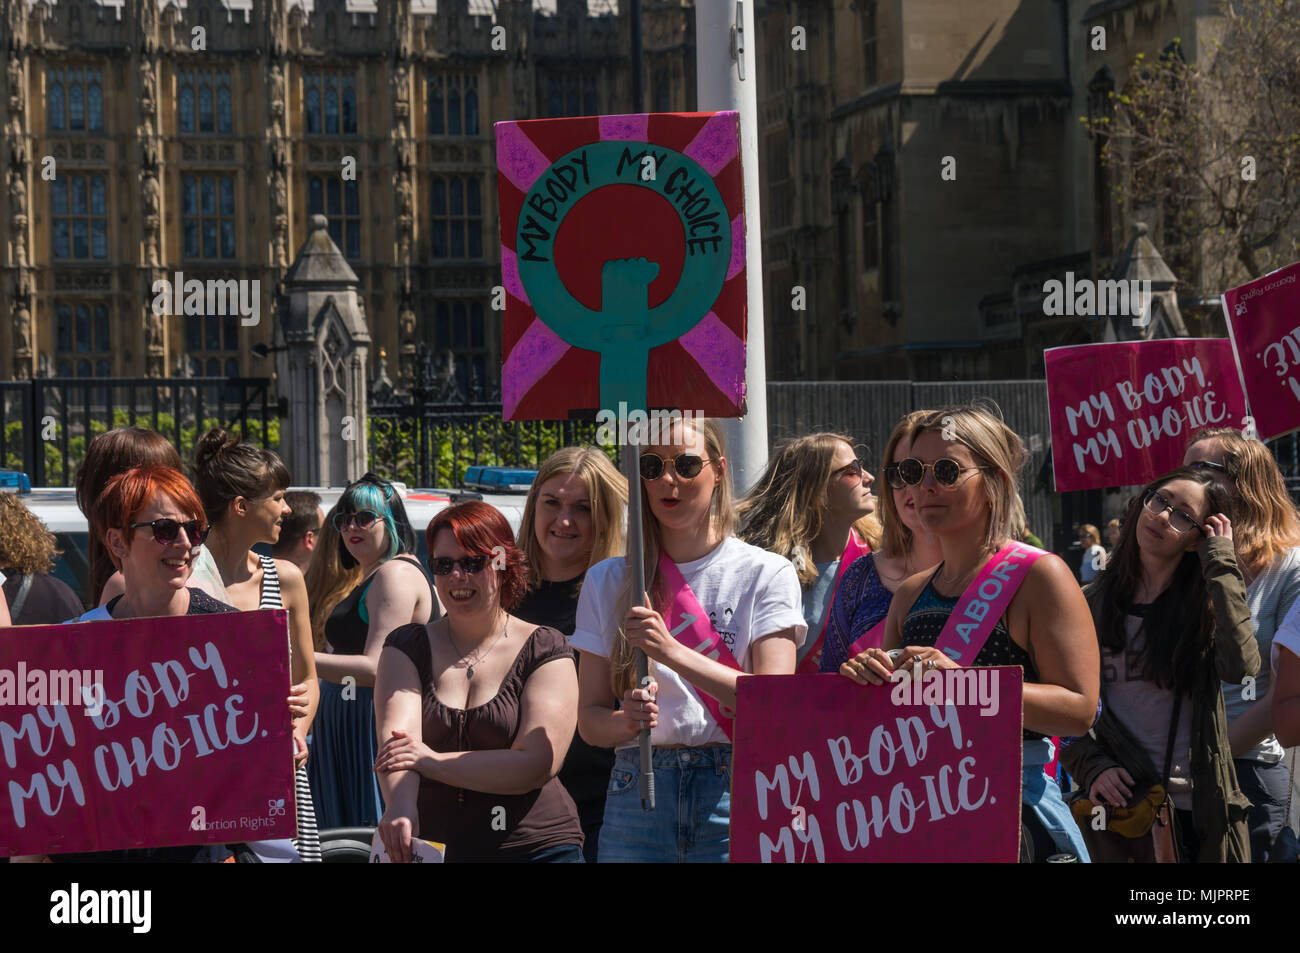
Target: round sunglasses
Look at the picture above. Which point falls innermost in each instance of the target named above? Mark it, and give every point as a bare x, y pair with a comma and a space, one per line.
685, 465
443, 565
911, 472
165, 530
363, 519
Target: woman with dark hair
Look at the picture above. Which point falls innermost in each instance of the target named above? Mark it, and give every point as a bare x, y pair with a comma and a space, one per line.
475, 720
393, 590
1172, 620
110, 454
242, 488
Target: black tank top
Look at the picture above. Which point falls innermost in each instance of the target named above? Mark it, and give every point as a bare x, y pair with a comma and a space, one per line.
929, 614
347, 626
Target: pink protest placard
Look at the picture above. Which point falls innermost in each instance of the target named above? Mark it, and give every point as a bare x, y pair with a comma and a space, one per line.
623, 261
146, 733
1264, 323
1122, 413
826, 770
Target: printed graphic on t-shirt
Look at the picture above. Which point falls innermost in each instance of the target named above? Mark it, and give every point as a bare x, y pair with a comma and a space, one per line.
728, 635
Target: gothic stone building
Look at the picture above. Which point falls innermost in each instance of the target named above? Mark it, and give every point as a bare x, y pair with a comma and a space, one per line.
146, 138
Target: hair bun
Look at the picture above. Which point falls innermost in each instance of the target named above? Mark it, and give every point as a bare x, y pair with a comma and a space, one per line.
212, 444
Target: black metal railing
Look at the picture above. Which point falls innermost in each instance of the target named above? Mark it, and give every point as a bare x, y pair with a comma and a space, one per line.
427, 437
49, 421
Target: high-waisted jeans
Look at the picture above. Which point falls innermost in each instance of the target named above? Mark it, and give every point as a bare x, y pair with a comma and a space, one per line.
692, 812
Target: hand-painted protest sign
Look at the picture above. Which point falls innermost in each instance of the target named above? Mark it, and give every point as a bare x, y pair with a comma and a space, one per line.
623, 259
826, 770
1264, 323
1122, 413
184, 737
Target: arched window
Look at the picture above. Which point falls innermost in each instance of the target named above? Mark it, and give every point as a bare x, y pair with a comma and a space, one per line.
205, 108
63, 329
331, 108
224, 123
56, 105
187, 105
95, 102
76, 104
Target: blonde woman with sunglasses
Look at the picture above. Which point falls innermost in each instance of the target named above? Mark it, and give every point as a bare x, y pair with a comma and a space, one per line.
963, 469
719, 609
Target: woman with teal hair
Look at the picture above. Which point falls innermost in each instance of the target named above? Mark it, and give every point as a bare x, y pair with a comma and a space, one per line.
374, 536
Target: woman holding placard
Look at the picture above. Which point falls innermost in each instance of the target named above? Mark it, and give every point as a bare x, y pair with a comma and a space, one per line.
1266, 536
153, 525
242, 488
857, 615
1172, 619
813, 505
719, 608
573, 518
963, 468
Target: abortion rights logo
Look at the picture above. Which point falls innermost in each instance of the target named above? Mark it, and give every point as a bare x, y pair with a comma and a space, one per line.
624, 263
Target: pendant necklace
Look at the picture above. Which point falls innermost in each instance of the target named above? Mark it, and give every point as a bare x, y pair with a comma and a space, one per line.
469, 669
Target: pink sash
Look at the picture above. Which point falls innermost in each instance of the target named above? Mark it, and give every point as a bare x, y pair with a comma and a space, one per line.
977, 611
689, 624
812, 662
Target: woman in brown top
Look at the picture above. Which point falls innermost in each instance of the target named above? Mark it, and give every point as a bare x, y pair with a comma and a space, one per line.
475, 723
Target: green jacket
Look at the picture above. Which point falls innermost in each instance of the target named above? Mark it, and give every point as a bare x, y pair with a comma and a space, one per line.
1218, 805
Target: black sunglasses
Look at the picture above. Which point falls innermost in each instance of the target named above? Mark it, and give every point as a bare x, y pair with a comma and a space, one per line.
1182, 522
1210, 465
685, 465
911, 472
165, 530
443, 565
363, 519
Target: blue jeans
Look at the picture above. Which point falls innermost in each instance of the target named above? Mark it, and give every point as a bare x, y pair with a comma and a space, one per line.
565, 854
1266, 786
692, 815
1042, 795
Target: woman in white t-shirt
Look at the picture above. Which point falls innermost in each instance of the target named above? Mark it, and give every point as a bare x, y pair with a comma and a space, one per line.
752, 602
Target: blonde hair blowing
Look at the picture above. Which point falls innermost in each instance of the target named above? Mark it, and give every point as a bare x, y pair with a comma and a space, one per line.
606, 492
897, 537
722, 521
783, 513
1266, 524
25, 544
328, 583
995, 444
1087, 529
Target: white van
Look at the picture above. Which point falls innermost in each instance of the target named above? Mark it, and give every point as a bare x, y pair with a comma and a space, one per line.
57, 509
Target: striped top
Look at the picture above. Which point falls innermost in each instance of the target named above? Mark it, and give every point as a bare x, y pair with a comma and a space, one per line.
270, 585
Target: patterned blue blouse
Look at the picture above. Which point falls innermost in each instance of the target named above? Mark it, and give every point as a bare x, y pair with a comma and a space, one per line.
860, 602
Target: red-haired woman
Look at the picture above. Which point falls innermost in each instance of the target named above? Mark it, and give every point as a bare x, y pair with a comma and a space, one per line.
475, 723
152, 524
110, 454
